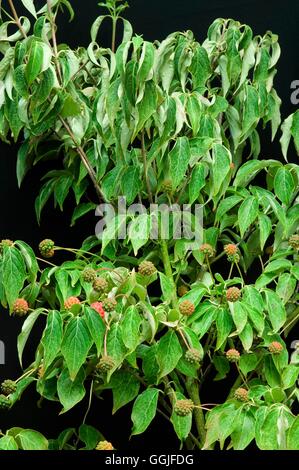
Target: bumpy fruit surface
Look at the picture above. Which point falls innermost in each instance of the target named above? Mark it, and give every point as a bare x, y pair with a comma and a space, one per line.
207, 250
193, 356
182, 290
104, 445
186, 307
241, 394
105, 364
109, 304
232, 355
46, 248
89, 275
275, 347
4, 402
4, 243
68, 303
294, 241
98, 307
8, 387
233, 294
20, 307
100, 285
146, 268
167, 186
183, 407
232, 253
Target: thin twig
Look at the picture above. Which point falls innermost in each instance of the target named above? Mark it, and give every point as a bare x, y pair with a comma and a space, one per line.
53, 32
17, 20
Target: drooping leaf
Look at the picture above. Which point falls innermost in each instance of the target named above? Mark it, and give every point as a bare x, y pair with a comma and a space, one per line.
144, 410
76, 344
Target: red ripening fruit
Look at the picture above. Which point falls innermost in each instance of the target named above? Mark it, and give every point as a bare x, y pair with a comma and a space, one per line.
294, 241
233, 294
275, 347
70, 302
98, 307
241, 394
232, 355
207, 250
186, 307
20, 307
231, 249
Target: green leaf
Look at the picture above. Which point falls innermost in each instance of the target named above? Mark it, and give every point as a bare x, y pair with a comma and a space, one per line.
147, 106
169, 352
115, 346
144, 410
224, 324
202, 325
244, 429
125, 387
20, 81
178, 160
256, 317
295, 129
24, 162
43, 197
35, 61
226, 205
146, 61
139, 231
29, 258
276, 310
130, 184
96, 327
194, 112
181, 424
253, 297
284, 185
251, 109
29, 5
44, 87
285, 287
28, 439
90, 436
286, 135
8, 443
293, 435
200, 68
197, 182
290, 376
150, 366
26, 330
248, 363
70, 392
81, 210
166, 287
247, 213
271, 427
220, 167
246, 337
52, 337
130, 327
75, 344
239, 315
265, 226
277, 265
219, 424
13, 272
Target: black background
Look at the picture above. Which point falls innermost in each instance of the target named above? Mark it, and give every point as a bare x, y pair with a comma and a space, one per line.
155, 19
